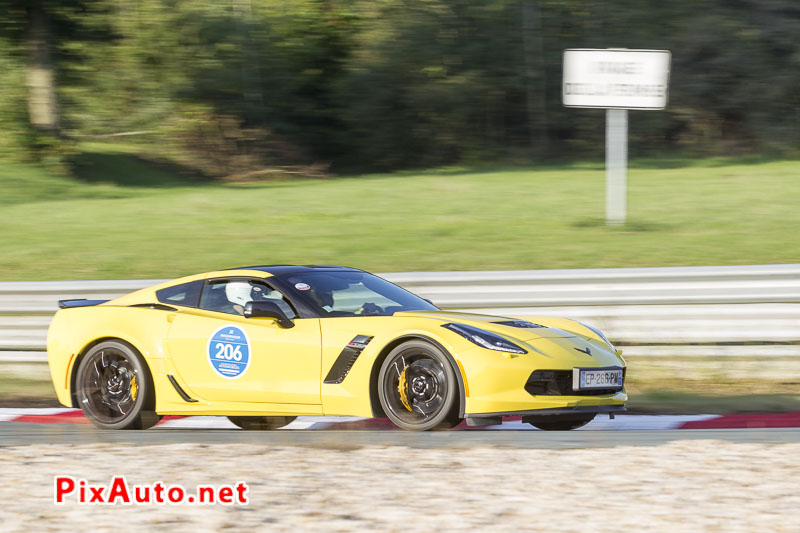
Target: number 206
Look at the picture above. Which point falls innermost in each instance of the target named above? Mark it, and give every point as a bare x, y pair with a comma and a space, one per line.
228, 352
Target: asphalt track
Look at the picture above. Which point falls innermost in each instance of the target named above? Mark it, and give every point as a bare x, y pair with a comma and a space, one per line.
22, 434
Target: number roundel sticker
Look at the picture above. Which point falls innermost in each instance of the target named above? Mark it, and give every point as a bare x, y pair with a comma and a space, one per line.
229, 352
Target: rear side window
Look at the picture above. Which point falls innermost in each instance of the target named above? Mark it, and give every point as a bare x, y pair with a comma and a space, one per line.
185, 294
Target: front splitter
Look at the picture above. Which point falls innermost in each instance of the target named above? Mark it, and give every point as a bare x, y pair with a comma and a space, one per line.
487, 419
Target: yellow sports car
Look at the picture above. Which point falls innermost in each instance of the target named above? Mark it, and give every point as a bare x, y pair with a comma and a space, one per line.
265, 344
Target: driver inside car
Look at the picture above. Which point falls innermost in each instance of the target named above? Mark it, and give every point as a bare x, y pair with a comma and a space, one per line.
369, 308
323, 298
238, 294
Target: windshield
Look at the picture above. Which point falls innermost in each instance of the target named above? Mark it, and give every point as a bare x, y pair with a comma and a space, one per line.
352, 294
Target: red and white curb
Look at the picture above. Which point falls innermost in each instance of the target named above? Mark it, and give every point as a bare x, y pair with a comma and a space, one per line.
602, 422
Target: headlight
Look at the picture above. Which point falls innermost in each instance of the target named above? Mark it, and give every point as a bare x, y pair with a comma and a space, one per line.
484, 339
599, 334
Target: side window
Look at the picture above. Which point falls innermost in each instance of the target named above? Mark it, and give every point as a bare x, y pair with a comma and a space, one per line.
356, 296
279, 299
185, 294
231, 295
215, 298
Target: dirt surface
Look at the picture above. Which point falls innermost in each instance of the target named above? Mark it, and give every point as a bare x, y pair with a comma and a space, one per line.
695, 485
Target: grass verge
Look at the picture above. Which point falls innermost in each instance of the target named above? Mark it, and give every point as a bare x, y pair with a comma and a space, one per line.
26, 385
126, 218
687, 403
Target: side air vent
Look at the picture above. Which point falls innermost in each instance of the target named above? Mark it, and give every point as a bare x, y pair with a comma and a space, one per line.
341, 367
179, 390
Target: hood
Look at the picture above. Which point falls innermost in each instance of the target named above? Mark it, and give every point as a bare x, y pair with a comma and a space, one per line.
572, 349
493, 324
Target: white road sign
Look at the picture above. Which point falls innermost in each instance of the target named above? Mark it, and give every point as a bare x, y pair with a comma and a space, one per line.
616, 79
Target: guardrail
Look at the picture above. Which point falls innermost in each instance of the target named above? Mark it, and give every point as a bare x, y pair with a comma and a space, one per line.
671, 312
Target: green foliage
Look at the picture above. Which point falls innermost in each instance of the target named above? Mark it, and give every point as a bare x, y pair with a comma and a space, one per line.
15, 134
234, 87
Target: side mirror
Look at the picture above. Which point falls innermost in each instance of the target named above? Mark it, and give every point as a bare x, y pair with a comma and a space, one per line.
267, 310
430, 302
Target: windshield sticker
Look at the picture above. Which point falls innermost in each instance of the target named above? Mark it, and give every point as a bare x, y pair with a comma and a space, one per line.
229, 352
302, 286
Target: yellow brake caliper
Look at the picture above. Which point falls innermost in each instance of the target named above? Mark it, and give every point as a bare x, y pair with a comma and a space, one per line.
134, 388
401, 388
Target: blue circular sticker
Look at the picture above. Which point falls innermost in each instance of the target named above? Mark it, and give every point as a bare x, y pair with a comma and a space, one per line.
229, 352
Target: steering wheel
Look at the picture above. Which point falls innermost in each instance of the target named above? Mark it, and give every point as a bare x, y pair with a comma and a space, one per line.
369, 308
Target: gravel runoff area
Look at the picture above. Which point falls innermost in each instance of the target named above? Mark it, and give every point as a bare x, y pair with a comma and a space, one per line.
692, 485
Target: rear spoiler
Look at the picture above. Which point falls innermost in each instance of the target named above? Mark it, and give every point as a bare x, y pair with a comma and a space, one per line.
79, 302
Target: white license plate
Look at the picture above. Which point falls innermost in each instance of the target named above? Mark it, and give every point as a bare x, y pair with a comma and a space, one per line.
596, 378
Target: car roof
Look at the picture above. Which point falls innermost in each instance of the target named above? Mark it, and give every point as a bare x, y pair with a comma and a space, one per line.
276, 270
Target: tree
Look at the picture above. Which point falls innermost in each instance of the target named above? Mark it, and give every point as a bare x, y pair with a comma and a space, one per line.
41, 75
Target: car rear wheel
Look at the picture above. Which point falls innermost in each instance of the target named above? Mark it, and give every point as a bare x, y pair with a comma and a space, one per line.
558, 423
417, 387
114, 388
261, 422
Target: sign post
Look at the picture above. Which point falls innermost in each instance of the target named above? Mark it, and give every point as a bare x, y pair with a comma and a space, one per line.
616, 166
616, 80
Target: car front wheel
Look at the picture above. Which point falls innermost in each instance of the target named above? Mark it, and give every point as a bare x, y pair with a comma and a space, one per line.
417, 387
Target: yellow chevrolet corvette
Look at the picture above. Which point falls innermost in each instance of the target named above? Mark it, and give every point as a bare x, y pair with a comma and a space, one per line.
265, 344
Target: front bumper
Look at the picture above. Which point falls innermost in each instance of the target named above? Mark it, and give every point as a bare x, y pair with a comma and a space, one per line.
501, 384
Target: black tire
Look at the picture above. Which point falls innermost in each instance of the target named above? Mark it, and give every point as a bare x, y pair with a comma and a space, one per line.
114, 388
558, 423
417, 387
261, 422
